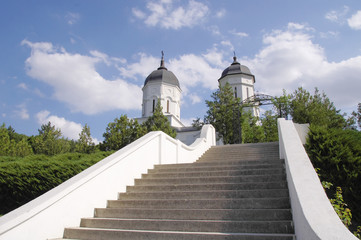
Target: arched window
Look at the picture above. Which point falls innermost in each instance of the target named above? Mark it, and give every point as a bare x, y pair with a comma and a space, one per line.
167, 106
235, 92
153, 105
247, 92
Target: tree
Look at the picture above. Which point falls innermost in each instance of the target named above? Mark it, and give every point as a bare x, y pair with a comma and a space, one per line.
224, 113
85, 143
121, 132
269, 125
159, 122
197, 123
357, 115
252, 132
315, 109
5, 147
48, 141
23, 148
282, 104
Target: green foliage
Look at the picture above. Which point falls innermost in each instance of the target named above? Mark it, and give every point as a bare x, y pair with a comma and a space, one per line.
357, 115
13, 144
340, 207
85, 143
159, 122
337, 153
252, 132
282, 104
23, 179
49, 141
269, 125
197, 123
121, 132
357, 233
223, 112
315, 109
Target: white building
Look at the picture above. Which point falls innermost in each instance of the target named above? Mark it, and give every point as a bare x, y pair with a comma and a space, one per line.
162, 85
242, 81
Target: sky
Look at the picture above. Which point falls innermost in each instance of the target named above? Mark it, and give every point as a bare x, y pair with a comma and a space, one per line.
76, 62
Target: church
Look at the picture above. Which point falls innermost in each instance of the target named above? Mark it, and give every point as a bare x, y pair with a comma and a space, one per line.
162, 85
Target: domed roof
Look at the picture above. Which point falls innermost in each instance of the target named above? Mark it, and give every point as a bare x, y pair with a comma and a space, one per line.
236, 68
163, 75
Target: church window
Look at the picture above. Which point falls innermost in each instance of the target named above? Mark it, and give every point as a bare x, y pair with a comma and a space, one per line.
167, 106
247, 92
235, 92
153, 105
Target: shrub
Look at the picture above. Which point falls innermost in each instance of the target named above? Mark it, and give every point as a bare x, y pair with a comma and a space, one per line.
23, 179
337, 153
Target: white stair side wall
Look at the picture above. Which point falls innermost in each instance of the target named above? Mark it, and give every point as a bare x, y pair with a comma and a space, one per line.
46, 216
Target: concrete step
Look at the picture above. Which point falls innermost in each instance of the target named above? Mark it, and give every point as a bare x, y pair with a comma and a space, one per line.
264, 193
222, 163
194, 167
196, 214
209, 187
195, 173
189, 225
232, 192
206, 180
116, 234
246, 203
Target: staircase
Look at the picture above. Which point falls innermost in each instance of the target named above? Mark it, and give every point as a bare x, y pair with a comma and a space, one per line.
232, 192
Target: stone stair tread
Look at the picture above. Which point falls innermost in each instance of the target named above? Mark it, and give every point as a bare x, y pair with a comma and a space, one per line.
243, 196
284, 226
111, 234
212, 179
250, 203
197, 194
197, 214
213, 186
195, 173
216, 168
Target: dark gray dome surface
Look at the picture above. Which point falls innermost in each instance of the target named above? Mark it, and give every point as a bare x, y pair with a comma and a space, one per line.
236, 68
162, 75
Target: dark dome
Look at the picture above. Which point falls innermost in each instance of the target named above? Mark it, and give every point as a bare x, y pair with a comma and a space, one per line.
236, 68
163, 75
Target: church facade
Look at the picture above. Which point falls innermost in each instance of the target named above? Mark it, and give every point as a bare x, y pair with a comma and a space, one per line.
162, 85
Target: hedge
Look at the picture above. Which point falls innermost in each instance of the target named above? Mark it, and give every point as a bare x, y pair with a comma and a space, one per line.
23, 179
337, 155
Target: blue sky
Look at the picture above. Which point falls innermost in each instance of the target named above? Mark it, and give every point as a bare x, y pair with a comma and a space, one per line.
76, 62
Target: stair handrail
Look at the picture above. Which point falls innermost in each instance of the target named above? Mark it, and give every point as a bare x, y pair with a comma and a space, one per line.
46, 216
313, 215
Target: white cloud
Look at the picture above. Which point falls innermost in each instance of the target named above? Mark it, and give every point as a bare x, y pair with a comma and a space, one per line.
72, 18
168, 16
77, 83
138, 13
337, 16
142, 68
21, 111
290, 59
193, 70
239, 34
329, 34
355, 21
23, 86
221, 13
69, 129
194, 98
